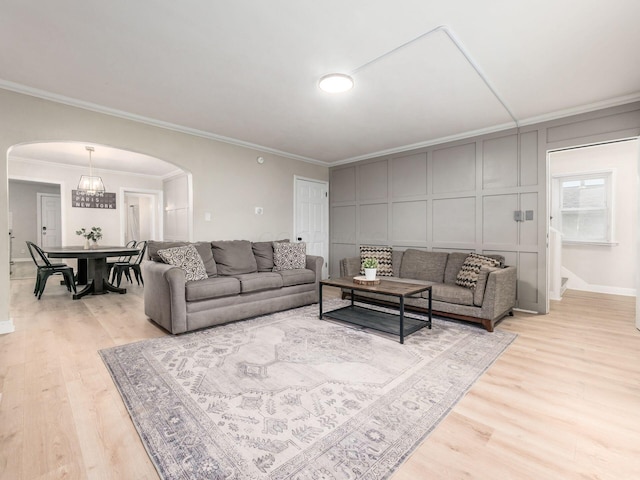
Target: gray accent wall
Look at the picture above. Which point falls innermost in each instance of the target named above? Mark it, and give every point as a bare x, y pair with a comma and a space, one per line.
462, 196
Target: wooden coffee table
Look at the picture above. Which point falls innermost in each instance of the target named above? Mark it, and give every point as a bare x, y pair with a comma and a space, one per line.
389, 322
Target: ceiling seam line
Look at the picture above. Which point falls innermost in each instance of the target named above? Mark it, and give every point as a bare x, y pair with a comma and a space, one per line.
464, 53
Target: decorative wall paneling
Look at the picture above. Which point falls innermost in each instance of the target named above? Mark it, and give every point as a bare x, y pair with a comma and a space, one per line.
462, 196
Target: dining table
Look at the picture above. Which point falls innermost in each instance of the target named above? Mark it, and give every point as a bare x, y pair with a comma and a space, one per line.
97, 271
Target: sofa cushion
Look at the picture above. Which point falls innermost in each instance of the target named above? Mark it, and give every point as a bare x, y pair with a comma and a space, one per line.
212, 287
481, 285
263, 251
454, 264
451, 294
289, 256
234, 257
468, 275
298, 276
188, 259
396, 261
382, 254
203, 248
423, 265
254, 282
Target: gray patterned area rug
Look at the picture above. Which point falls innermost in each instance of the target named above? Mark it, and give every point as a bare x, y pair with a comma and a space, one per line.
289, 396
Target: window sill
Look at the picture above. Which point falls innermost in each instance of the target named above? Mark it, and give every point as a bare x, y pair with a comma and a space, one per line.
601, 244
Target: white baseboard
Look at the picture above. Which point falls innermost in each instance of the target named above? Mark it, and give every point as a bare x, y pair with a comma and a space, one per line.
577, 283
627, 292
7, 326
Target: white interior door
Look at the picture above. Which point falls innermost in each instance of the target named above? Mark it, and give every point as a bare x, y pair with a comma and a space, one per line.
311, 222
49, 220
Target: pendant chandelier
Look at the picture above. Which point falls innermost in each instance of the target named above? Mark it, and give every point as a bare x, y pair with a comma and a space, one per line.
90, 184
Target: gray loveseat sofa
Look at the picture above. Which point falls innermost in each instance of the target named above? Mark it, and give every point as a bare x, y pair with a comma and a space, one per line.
240, 284
493, 297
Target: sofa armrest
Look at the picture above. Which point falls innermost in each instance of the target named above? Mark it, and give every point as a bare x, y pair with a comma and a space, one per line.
500, 293
164, 295
350, 267
315, 263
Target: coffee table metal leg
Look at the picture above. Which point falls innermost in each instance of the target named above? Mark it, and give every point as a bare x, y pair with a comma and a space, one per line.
401, 319
430, 301
320, 300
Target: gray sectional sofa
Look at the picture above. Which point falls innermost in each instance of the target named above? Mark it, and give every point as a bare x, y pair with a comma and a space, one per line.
493, 297
240, 283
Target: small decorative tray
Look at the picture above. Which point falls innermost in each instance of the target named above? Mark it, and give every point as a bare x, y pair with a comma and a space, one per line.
362, 280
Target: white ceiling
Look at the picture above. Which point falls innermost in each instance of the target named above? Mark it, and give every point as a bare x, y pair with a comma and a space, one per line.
247, 71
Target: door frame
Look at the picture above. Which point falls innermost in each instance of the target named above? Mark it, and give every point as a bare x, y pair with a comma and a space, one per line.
549, 186
325, 183
157, 197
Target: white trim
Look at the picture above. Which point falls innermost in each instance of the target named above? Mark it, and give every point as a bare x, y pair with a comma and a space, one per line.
35, 92
157, 197
627, 292
7, 326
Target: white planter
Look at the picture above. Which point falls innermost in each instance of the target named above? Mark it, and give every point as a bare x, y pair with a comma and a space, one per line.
370, 273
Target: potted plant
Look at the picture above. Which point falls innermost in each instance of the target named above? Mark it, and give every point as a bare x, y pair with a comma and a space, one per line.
94, 235
370, 266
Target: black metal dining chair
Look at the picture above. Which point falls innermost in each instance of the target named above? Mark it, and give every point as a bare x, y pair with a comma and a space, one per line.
120, 268
123, 259
46, 269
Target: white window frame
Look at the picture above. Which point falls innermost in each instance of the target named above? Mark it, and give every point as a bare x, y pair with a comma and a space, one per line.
609, 178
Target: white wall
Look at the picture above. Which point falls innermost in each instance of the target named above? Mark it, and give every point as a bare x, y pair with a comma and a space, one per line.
74, 218
603, 267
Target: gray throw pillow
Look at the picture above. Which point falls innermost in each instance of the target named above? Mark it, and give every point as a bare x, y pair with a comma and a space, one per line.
289, 256
188, 259
234, 257
263, 251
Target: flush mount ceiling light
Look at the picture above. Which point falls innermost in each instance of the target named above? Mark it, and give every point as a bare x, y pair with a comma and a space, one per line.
90, 184
336, 83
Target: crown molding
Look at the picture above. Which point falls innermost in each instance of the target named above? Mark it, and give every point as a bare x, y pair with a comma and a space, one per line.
34, 92
614, 102
582, 109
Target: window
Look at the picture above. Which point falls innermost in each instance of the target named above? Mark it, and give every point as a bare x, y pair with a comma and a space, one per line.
586, 209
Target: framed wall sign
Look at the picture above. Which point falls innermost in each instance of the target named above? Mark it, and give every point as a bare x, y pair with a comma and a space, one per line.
103, 200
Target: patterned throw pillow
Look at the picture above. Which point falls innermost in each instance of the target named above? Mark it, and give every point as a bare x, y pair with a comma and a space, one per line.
468, 274
188, 259
289, 256
384, 256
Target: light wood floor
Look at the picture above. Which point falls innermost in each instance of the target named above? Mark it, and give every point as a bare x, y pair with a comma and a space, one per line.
563, 402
